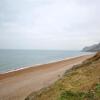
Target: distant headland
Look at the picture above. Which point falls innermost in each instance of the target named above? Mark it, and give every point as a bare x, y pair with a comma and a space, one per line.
92, 48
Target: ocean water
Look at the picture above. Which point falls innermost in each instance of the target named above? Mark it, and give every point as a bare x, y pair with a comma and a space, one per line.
16, 59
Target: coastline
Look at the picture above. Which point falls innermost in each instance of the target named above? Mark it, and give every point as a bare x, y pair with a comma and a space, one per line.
18, 84
36, 65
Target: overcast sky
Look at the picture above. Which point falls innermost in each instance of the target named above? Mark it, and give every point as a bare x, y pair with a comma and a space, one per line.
49, 24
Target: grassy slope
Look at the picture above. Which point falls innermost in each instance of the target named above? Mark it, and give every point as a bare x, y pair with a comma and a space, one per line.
82, 82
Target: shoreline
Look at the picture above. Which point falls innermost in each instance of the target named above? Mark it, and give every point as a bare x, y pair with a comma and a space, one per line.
36, 65
17, 85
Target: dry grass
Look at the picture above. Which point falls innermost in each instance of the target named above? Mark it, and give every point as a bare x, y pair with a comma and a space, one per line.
80, 79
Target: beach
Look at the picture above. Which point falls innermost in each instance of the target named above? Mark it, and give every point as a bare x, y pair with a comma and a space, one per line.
17, 85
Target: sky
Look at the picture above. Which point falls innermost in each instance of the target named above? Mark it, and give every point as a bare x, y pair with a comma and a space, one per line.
49, 24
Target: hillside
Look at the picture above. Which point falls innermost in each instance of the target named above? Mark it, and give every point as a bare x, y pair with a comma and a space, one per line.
82, 82
93, 48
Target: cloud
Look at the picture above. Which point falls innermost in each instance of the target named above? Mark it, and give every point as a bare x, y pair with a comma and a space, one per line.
53, 22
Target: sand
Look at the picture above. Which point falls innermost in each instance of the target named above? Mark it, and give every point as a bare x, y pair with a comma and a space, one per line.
17, 85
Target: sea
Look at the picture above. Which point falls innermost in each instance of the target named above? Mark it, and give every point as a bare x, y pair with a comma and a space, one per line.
11, 60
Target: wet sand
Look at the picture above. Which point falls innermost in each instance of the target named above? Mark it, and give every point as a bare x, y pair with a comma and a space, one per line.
17, 85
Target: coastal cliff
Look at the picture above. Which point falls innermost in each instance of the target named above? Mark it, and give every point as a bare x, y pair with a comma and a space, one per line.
93, 48
82, 82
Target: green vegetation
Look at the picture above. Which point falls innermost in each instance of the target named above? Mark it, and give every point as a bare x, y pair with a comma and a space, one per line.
93, 94
82, 82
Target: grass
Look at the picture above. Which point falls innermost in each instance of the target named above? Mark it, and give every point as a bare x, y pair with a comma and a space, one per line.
82, 82
93, 94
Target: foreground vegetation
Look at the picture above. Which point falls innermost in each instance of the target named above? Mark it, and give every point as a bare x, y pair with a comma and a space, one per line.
82, 82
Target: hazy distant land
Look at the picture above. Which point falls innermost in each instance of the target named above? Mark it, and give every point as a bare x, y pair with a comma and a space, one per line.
92, 48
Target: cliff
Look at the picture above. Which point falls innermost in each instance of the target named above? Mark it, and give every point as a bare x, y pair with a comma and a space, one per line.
82, 82
93, 48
